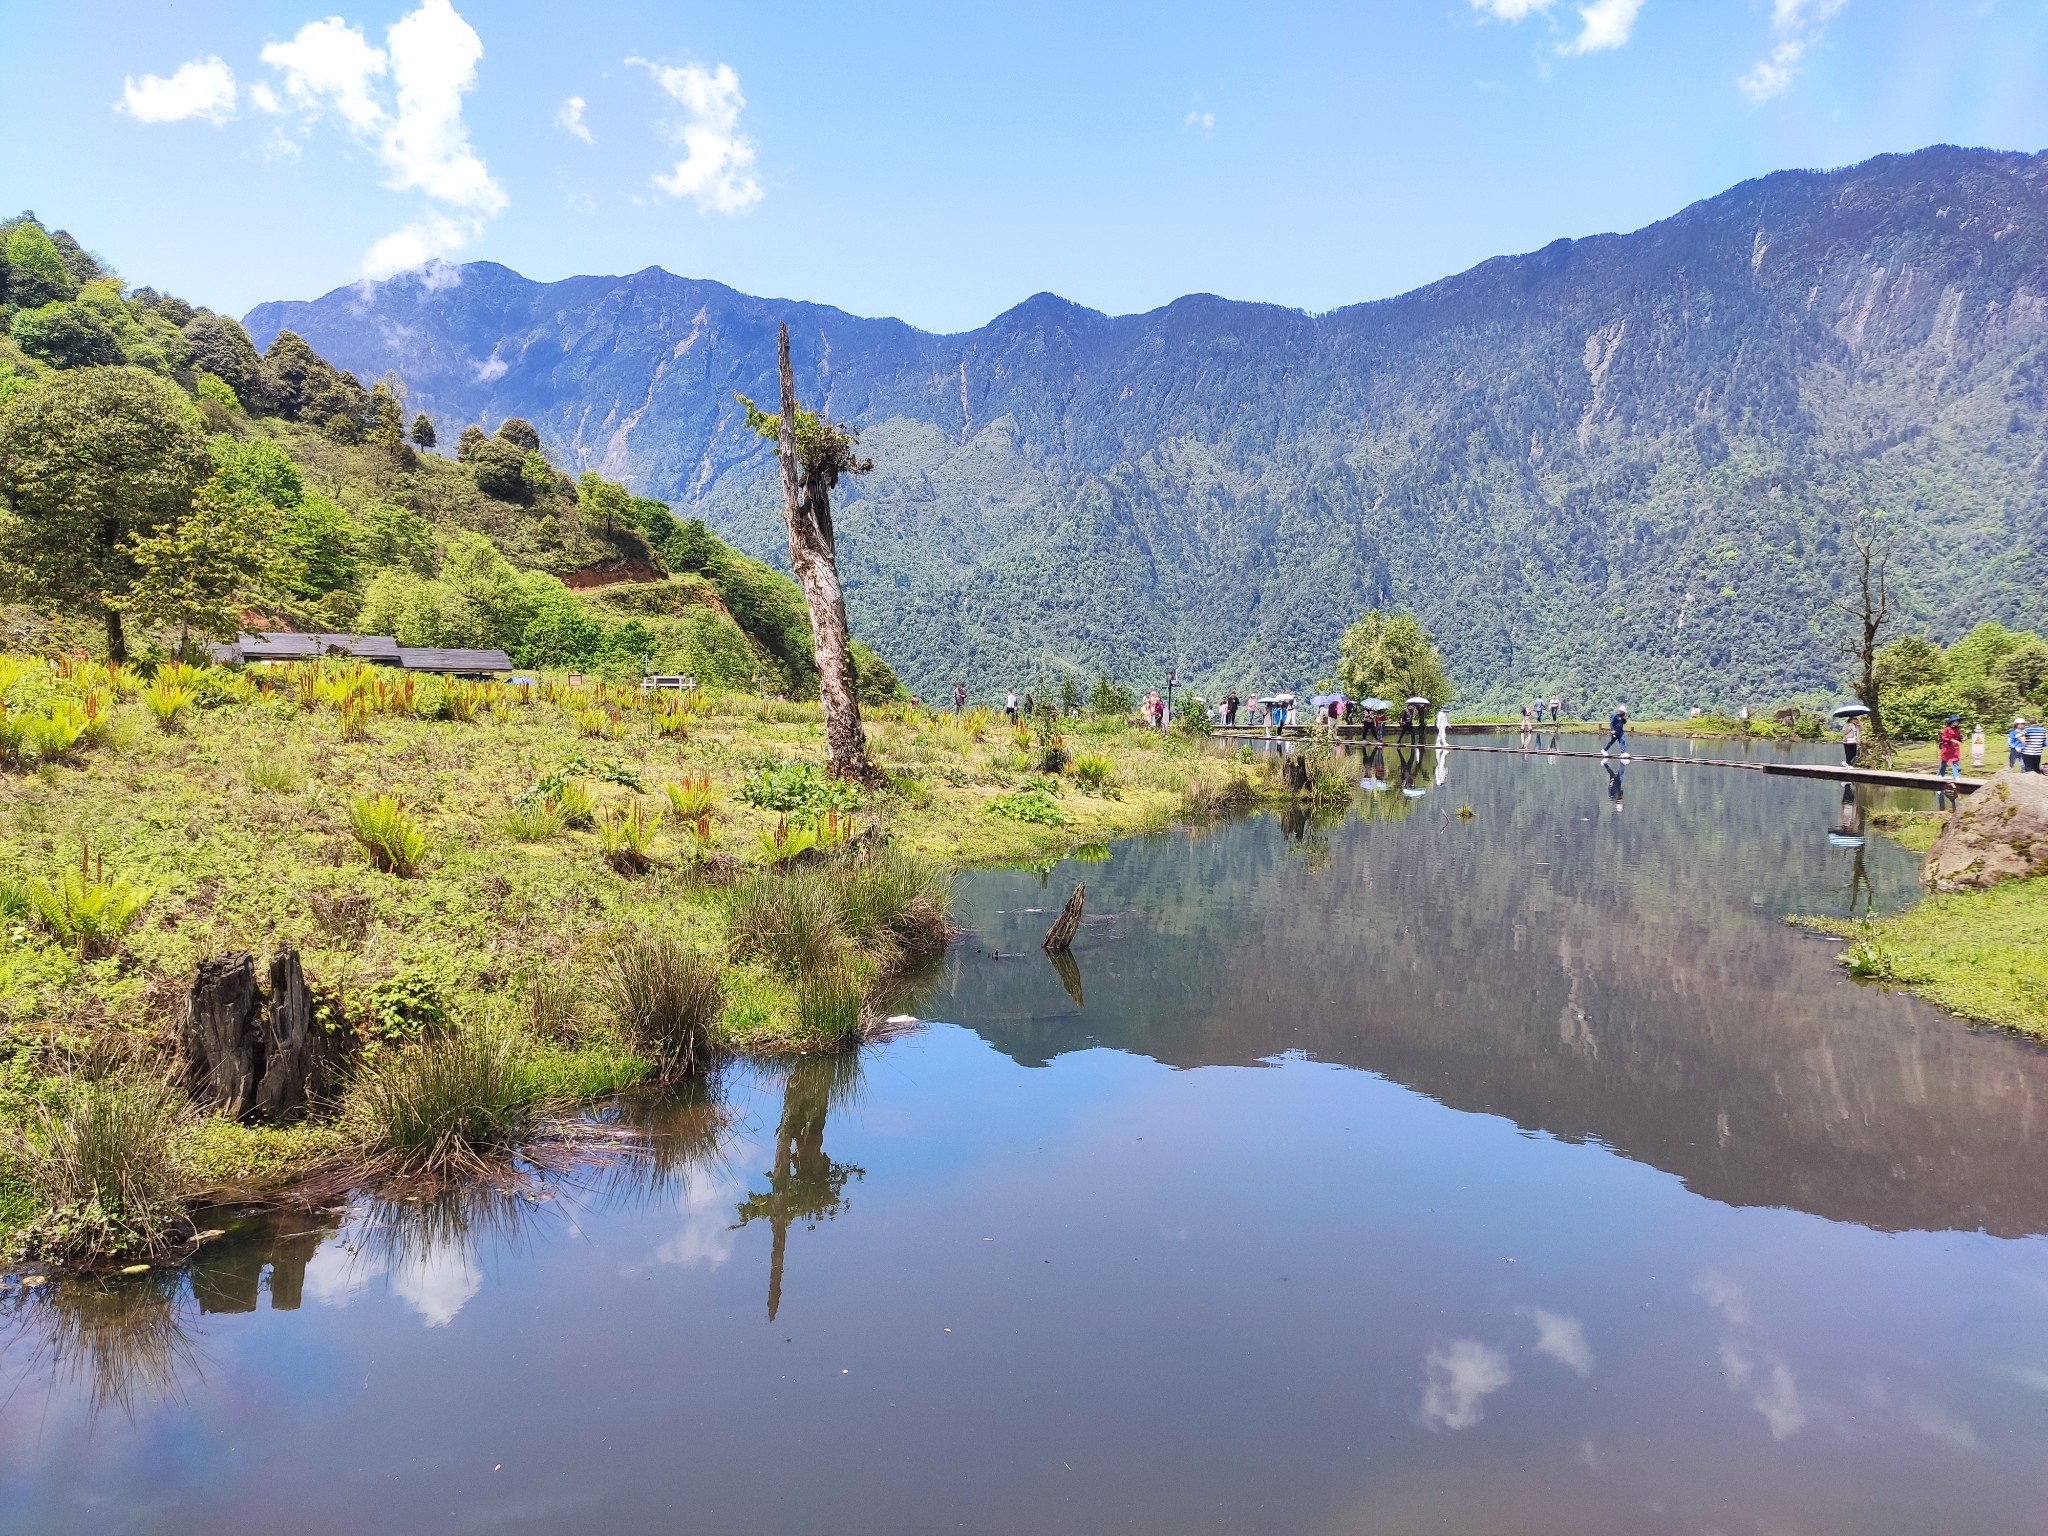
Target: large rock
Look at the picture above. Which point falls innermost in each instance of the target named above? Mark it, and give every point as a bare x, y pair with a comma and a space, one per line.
1999, 833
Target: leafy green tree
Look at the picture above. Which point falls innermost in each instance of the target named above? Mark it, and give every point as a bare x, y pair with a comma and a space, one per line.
1389, 655
200, 572
1110, 698
222, 348
1911, 661
520, 433
603, 502
396, 536
212, 387
66, 334
2025, 669
36, 273
90, 461
317, 548
306, 387
1979, 652
423, 430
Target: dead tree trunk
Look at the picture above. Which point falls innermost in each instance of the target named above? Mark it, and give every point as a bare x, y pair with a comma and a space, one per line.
219, 1035
1060, 937
809, 472
287, 1038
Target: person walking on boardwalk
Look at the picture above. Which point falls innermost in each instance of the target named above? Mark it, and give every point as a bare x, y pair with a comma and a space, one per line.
1617, 731
2033, 740
1443, 727
1852, 739
1231, 704
2012, 741
1952, 747
1556, 704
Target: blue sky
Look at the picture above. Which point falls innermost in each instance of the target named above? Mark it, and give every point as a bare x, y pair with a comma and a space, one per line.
942, 161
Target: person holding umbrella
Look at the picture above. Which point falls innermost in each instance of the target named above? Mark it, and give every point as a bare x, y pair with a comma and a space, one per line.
1851, 716
1411, 720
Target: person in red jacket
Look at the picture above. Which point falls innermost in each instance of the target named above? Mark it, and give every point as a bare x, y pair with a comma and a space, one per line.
1952, 747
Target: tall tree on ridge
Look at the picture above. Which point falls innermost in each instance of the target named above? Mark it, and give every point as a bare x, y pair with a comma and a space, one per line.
814, 454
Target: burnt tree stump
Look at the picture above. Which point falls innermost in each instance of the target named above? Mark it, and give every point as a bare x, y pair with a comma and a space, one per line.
1060, 937
219, 1033
287, 1038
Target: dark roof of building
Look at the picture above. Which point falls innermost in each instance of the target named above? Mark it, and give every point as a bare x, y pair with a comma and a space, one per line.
288, 645
442, 659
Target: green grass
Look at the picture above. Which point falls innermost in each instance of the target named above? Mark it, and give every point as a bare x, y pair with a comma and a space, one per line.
1981, 954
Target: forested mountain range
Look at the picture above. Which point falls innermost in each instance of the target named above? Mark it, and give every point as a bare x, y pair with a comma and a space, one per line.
1621, 466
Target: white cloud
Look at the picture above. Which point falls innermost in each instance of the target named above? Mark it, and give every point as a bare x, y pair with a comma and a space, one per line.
1797, 25
201, 88
1202, 120
328, 64
417, 129
569, 118
1512, 10
1724, 1294
1603, 24
1461, 1375
1562, 1338
717, 168
264, 99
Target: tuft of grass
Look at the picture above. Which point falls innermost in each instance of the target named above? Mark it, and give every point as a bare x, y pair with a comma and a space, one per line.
792, 921
533, 821
898, 900
269, 771
831, 1007
625, 836
667, 999
99, 1155
440, 1107
395, 842
573, 801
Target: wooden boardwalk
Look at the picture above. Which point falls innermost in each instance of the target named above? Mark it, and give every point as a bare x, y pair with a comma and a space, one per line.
1839, 773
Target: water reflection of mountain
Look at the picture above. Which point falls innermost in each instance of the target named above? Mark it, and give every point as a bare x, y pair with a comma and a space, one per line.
1587, 967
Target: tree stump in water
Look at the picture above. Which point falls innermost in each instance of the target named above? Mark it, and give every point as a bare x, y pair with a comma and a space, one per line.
1060, 937
219, 1033
1294, 774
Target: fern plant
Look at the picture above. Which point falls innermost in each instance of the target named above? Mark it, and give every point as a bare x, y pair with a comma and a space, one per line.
395, 842
625, 836
86, 910
693, 797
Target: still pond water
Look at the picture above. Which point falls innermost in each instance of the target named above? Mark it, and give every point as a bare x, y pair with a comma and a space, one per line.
1525, 1173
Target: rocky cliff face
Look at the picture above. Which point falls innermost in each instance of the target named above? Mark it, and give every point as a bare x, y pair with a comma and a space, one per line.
1618, 467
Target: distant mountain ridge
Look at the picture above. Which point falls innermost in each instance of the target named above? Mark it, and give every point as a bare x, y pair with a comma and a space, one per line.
1616, 467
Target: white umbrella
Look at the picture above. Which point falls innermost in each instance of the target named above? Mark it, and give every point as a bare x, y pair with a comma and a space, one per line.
1843, 711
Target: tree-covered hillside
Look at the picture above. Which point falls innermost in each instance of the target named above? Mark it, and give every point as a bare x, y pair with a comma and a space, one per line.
229, 486
1619, 466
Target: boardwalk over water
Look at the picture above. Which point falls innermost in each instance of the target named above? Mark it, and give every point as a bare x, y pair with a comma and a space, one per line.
1840, 773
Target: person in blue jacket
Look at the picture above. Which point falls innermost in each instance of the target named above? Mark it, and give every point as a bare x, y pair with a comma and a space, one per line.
1617, 730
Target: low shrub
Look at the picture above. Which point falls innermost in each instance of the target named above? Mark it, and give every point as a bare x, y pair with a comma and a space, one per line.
897, 898
167, 698
667, 999
99, 1155
801, 791
388, 833
268, 771
441, 1106
1033, 803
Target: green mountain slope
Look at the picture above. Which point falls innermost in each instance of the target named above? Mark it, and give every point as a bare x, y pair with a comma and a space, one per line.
364, 529
1616, 467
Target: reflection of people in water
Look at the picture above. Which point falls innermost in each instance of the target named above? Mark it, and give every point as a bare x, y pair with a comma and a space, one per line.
1614, 774
805, 1185
1443, 767
1849, 816
1411, 766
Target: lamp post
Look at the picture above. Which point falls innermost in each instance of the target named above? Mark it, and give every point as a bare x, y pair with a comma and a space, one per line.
1172, 675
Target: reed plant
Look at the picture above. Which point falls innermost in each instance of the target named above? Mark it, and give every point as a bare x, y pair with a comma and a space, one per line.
667, 998
896, 900
1091, 770
99, 1155
389, 834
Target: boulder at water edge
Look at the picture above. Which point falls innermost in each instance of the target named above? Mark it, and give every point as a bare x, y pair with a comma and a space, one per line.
1999, 833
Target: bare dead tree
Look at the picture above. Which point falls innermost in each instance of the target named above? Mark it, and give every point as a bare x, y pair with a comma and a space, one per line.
1869, 610
814, 454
